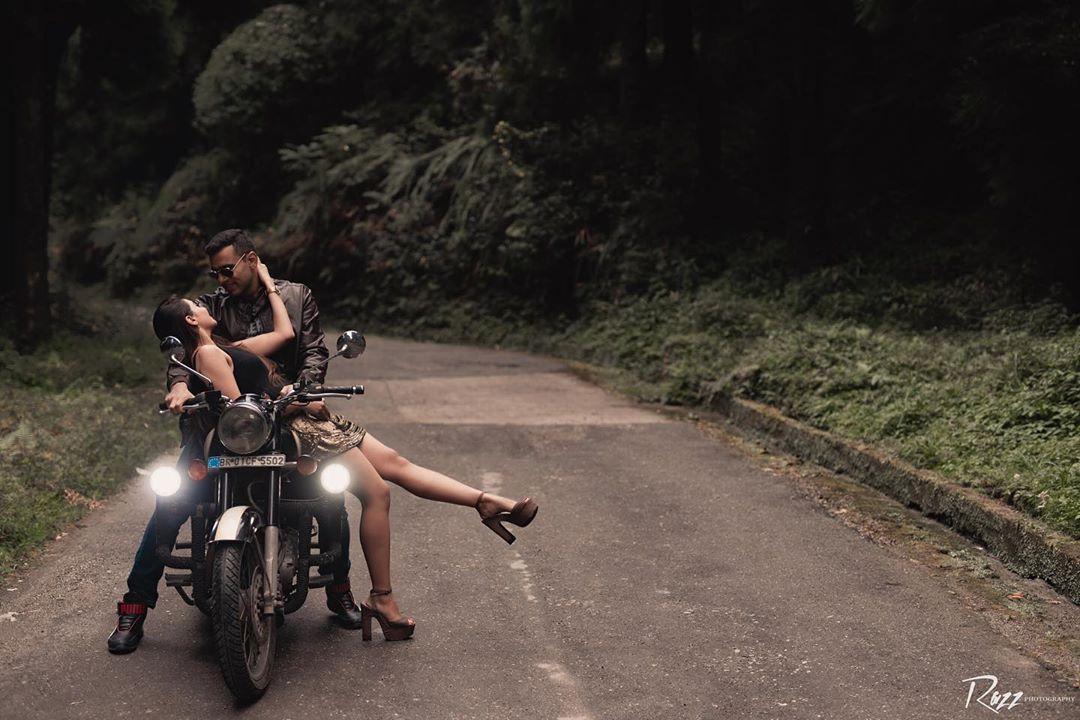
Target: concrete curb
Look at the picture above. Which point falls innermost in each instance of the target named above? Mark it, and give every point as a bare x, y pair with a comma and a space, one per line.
1025, 545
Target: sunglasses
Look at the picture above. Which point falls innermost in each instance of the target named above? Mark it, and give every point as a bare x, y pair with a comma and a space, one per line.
225, 270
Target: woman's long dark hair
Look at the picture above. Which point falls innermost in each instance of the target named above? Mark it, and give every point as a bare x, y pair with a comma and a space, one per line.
170, 318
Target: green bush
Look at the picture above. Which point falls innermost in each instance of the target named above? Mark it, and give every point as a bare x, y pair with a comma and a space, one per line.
400, 221
127, 257
143, 243
264, 80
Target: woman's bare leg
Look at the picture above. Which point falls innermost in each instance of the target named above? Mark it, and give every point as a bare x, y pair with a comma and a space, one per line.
374, 496
428, 484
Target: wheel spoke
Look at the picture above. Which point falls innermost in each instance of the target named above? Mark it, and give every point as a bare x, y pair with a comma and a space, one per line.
245, 605
255, 629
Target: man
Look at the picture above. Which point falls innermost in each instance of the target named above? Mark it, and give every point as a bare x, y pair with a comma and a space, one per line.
242, 310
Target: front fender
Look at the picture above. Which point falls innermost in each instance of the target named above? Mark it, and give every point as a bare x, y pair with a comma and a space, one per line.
236, 523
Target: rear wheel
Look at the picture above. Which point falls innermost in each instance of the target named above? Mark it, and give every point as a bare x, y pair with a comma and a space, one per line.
246, 640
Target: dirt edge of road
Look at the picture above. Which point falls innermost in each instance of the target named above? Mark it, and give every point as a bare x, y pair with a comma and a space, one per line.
1026, 546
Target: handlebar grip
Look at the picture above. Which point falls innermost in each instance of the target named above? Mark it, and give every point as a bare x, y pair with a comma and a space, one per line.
199, 402
344, 390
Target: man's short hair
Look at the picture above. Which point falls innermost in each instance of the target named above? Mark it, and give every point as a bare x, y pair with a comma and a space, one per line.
236, 237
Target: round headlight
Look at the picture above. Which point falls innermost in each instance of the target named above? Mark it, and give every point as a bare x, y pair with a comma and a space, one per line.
244, 427
334, 478
165, 481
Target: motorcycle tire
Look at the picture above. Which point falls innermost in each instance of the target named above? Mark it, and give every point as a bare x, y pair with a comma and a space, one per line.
246, 641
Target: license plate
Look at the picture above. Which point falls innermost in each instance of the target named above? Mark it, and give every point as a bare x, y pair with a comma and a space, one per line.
243, 461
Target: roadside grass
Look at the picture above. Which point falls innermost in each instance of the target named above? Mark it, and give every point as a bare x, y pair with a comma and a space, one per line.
992, 402
77, 418
998, 410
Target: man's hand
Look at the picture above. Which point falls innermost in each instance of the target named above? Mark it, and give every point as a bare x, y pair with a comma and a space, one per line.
178, 395
318, 410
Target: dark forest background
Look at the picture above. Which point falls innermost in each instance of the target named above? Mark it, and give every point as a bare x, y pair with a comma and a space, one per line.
860, 212
528, 158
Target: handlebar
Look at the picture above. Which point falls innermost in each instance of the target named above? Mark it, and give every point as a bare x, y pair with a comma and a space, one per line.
202, 401
321, 393
342, 390
211, 398
163, 409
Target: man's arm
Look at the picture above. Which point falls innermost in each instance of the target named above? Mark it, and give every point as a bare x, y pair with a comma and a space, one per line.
312, 350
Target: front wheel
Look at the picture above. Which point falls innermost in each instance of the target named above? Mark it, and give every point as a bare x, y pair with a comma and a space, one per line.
246, 640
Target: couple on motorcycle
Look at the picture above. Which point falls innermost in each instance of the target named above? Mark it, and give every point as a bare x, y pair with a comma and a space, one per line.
259, 335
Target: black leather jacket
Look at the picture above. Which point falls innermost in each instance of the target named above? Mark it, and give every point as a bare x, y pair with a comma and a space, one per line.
304, 357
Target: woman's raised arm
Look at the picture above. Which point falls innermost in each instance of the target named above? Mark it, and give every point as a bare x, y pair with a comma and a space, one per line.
282, 333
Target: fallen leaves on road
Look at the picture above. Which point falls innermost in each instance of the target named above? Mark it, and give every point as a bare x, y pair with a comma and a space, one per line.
73, 497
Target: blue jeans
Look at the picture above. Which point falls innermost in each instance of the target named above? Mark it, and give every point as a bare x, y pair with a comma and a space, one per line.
147, 570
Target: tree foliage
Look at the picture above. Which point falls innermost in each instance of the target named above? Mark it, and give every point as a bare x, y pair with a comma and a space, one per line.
262, 80
540, 154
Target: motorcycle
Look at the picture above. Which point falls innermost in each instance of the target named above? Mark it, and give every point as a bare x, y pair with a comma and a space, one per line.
250, 559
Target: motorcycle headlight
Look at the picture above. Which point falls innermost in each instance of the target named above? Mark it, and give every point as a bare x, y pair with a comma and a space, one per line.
243, 427
334, 478
165, 481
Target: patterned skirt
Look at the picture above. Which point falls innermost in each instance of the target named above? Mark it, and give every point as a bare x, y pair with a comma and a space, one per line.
324, 439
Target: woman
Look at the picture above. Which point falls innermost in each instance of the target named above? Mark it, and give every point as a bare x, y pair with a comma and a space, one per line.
242, 367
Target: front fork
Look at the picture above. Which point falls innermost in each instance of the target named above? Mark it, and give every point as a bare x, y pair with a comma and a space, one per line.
271, 545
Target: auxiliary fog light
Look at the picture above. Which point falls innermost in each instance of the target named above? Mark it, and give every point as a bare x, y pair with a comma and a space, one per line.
165, 481
306, 465
334, 478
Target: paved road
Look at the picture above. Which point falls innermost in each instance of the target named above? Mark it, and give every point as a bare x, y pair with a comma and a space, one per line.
666, 576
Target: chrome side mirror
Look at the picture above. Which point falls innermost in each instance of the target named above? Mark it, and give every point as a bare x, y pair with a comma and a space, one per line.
173, 349
351, 344
174, 352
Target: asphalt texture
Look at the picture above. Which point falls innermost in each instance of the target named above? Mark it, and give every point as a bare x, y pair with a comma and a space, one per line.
666, 576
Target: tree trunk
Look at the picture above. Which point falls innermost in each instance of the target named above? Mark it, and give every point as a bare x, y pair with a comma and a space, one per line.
36, 44
713, 19
632, 80
7, 238
807, 139
678, 28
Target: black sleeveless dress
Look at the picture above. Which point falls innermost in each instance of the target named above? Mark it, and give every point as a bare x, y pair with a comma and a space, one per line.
250, 373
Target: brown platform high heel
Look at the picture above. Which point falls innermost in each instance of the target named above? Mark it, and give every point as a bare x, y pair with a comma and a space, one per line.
391, 629
521, 514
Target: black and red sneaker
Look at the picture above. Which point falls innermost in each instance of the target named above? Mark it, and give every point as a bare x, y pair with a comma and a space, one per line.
129, 627
340, 601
